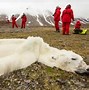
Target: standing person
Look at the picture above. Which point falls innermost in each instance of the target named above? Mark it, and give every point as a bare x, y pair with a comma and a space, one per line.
57, 18
66, 17
14, 21
24, 19
77, 29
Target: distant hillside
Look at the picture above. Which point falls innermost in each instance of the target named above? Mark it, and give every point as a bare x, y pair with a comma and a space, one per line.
41, 19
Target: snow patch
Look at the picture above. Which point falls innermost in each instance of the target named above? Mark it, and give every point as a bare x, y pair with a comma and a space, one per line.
39, 21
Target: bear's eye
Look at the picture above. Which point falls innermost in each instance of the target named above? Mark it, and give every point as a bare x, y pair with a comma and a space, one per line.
54, 58
74, 58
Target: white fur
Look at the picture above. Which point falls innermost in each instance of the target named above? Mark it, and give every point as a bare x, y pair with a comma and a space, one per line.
20, 53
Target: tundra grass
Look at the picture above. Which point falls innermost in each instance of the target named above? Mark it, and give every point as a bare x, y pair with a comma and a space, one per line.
43, 77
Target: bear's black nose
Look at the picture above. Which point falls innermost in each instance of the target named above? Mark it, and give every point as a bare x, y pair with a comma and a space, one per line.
87, 69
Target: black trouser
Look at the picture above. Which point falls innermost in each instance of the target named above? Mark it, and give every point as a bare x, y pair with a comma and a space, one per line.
77, 31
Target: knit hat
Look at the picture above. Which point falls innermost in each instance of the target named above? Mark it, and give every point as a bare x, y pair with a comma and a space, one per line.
58, 7
68, 6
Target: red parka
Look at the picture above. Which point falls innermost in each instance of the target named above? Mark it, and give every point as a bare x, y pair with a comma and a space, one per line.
57, 14
24, 18
67, 15
77, 25
13, 19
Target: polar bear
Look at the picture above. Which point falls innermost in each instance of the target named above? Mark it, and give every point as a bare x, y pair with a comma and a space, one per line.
20, 53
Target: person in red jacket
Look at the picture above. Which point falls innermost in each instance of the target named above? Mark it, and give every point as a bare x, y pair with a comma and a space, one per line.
24, 19
57, 18
66, 17
77, 29
14, 21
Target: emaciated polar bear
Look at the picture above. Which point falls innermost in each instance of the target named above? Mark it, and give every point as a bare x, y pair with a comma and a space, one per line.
20, 53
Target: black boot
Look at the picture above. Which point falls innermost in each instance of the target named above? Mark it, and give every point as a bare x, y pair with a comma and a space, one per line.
58, 30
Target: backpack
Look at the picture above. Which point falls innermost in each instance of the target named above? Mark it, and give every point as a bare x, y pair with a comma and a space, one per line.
84, 31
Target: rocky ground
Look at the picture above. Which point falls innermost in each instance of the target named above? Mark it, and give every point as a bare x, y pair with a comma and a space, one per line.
40, 77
